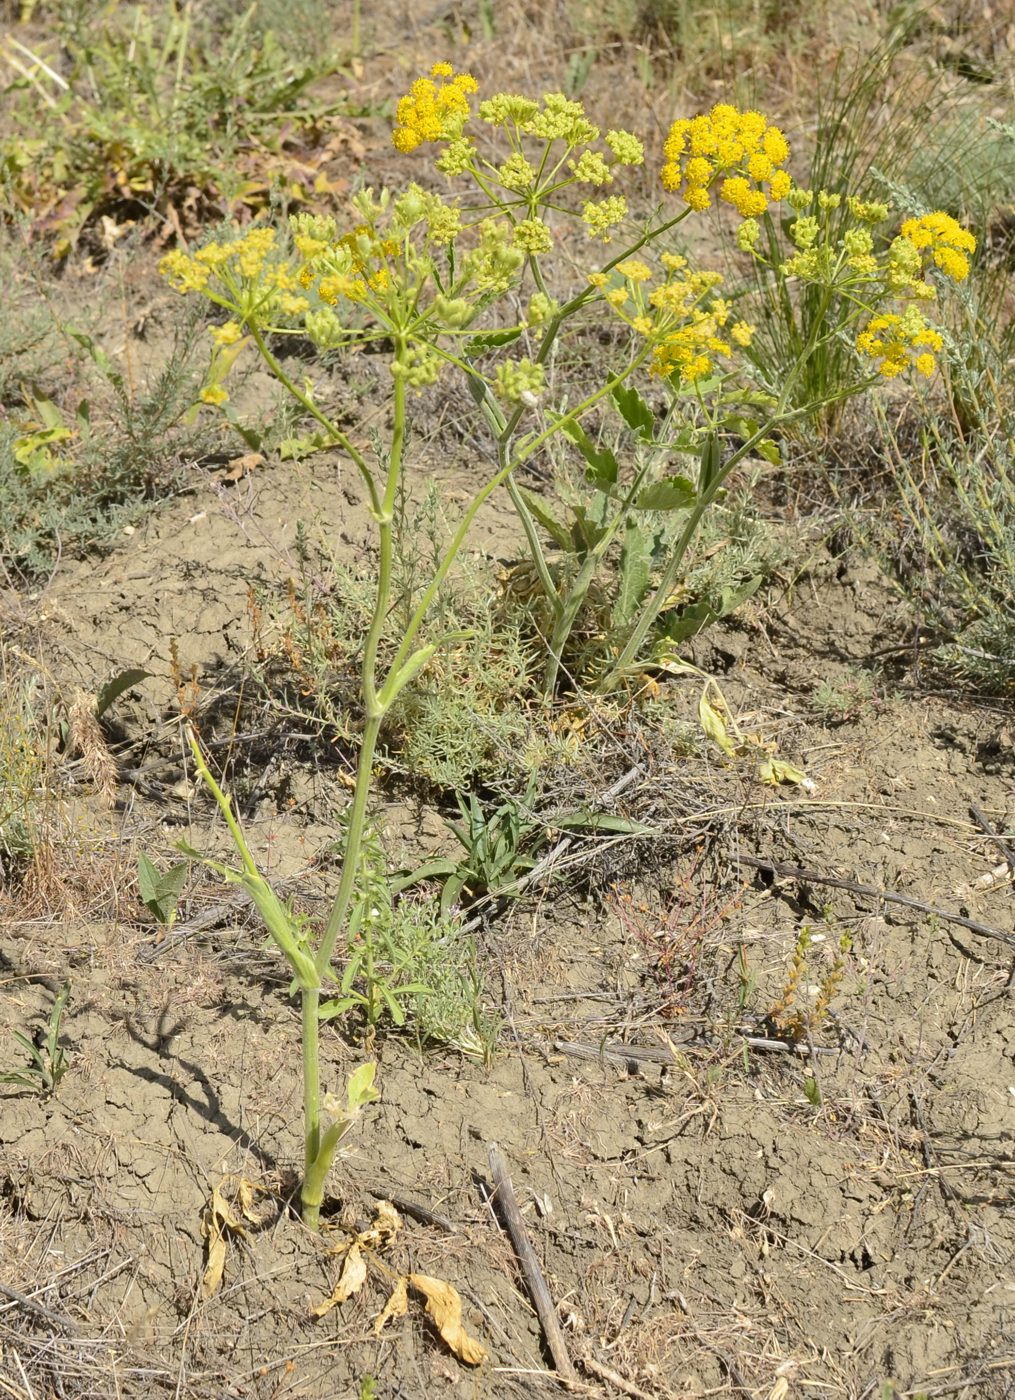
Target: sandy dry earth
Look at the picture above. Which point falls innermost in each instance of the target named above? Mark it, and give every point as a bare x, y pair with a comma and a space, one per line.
702, 1225
713, 1217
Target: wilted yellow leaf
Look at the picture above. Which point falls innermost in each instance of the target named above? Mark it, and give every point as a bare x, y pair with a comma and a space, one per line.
218, 1217
350, 1280
396, 1306
714, 726
444, 1306
774, 771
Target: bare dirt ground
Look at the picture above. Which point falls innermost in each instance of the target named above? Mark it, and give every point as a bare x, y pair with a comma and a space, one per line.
716, 1211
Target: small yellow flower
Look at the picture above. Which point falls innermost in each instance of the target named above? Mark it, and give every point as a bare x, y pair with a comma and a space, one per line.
213, 394
634, 270
227, 334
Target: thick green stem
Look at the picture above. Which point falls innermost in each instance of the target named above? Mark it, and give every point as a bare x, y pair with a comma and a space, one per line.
309, 1005
374, 705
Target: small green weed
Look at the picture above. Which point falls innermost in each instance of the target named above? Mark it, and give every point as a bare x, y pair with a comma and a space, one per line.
789, 1015
499, 845
75, 473
844, 701
47, 1064
160, 892
409, 962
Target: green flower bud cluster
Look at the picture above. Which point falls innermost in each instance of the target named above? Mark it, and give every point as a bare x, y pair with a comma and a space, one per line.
324, 329
540, 310
516, 173
748, 233
867, 211
421, 367
602, 218
533, 236
519, 381
591, 169
804, 232
452, 312
495, 262
813, 265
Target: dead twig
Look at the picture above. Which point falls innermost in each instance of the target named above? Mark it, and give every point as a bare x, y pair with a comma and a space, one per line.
22, 1300
836, 882
988, 830
614, 1378
419, 1212
632, 1057
504, 1200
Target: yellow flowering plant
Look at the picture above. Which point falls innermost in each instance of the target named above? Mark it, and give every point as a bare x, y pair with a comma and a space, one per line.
461, 284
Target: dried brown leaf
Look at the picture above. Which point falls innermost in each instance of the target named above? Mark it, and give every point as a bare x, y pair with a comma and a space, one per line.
386, 1225
350, 1280
217, 1219
444, 1306
396, 1306
239, 467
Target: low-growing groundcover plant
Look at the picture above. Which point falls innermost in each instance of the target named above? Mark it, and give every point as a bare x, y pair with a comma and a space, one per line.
435, 283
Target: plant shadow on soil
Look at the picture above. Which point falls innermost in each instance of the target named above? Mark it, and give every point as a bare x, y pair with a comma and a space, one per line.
703, 1221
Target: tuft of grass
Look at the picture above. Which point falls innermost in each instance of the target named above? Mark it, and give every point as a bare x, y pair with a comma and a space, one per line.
952, 472
82, 462
28, 742
126, 111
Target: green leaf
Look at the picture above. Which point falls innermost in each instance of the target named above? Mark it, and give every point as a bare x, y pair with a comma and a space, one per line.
604, 468
490, 340
559, 533
328, 1010
431, 870
295, 448
768, 448
586, 530
396, 683
359, 1088
120, 683
147, 879
635, 571
99, 358
253, 439
773, 771
397, 1013
634, 411
709, 463
673, 493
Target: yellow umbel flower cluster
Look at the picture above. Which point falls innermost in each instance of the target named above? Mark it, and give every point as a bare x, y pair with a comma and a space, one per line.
248, 277
945, 239
900, 341
740, 145
433, 111
689, 326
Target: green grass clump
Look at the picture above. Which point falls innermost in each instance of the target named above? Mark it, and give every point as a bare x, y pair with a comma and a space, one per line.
128, 111
77, 470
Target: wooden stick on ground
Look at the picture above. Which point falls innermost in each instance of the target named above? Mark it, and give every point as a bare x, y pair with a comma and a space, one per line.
796, 872
504, 1200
